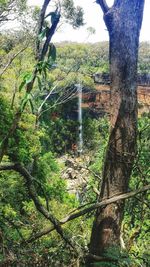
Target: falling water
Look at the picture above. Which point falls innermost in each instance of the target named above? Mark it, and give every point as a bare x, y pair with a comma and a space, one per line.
80, 141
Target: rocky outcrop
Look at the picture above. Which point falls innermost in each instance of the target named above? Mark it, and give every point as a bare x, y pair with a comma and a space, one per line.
75, 173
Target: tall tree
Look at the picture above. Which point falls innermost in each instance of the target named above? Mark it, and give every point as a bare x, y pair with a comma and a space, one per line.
123, 21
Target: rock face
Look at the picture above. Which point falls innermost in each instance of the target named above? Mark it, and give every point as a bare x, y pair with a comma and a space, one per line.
100, 104
98, 101
103, 78
76, 174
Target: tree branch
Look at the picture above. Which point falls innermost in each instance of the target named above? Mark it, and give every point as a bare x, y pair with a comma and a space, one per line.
32, 193
103, 5
57, 224
40, 24
89, 209
105, 202
50, 33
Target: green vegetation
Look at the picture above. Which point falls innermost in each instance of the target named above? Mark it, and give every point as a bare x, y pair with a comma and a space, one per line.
33, 162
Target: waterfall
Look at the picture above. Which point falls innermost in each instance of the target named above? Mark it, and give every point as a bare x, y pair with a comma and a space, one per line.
80, 140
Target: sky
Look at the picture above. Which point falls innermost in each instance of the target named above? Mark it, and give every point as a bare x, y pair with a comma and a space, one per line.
94, 18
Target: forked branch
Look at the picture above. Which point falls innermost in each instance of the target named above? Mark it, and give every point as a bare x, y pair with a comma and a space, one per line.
75, 215
103, 5
33, 195
57, 224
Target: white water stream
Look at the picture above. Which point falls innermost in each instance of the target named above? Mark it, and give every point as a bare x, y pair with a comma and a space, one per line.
80, 140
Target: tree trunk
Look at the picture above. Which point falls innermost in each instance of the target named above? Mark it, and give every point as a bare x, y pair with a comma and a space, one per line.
123, 21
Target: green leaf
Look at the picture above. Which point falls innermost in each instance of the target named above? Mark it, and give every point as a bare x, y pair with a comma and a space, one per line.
28, 78
23, 104
31, 105
42, 34
22, 85
39, 66
39, 83
27, 98
49, 14
45, 72
52, 52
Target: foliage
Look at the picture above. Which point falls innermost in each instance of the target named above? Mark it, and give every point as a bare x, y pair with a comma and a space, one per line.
39, 141
144, 58
6, 117
115, 258
10, 9
90, 58
136, 221
72, 14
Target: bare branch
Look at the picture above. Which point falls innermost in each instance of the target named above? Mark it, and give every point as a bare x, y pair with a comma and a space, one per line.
103, 203
45, 99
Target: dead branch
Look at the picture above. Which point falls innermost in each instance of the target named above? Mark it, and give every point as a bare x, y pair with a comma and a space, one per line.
89, 209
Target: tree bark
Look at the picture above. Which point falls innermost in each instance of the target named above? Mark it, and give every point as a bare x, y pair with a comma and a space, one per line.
123, 21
